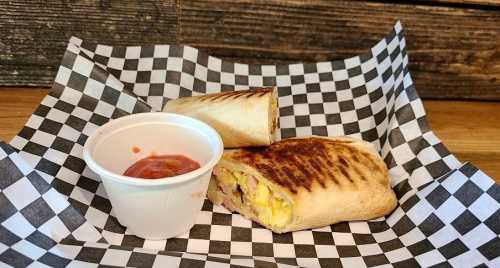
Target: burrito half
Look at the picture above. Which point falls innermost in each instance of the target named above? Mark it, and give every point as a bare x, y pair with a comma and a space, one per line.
304, 183
242, 118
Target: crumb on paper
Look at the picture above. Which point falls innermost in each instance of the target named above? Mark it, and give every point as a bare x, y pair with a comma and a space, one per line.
136, 150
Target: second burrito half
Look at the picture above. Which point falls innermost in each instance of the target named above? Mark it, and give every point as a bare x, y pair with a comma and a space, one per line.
242, 118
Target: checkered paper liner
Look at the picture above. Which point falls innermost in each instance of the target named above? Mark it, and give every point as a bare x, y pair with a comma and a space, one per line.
54, 210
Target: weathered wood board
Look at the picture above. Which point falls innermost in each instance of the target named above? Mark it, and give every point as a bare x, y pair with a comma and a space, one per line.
454, 46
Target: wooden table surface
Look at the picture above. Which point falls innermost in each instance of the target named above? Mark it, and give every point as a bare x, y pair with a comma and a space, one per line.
470, 130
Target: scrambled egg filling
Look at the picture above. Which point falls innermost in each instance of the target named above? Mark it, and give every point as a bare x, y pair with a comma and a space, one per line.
267, 206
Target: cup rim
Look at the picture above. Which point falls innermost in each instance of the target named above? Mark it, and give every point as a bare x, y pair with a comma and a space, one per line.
103, 172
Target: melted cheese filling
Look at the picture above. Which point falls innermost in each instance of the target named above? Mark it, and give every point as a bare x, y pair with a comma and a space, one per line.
270, 208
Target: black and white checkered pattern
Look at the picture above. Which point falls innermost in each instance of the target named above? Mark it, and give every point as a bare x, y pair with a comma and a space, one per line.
371, 97
38, 227
34, 217
439, 224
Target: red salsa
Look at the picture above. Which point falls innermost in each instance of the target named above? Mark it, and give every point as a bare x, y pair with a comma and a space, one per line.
161, 166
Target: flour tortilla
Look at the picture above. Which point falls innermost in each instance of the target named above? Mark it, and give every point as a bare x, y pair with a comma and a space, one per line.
325, 180
242, 118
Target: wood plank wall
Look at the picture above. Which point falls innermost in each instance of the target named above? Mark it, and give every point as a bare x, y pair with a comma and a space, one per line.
454, 46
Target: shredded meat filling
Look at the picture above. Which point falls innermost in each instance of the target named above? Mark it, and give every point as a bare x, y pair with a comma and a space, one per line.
247, 193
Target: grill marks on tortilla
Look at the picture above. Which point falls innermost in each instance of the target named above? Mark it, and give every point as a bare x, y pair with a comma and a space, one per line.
232, 95
298, 163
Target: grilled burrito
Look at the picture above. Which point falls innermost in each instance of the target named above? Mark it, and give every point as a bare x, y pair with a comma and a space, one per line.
242, 118
303, 183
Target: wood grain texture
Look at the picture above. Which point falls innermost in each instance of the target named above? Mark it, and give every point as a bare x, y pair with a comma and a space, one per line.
35, 33
454, 51
469, 129
463, 2
16, 106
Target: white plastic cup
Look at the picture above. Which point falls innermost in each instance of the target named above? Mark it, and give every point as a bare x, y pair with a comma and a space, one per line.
154, 208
